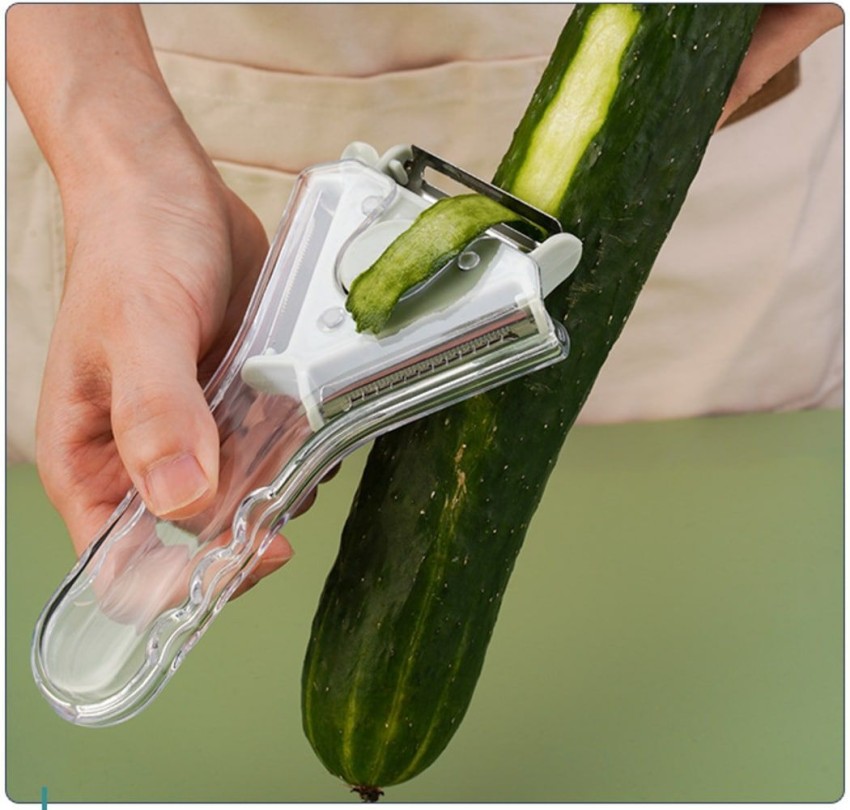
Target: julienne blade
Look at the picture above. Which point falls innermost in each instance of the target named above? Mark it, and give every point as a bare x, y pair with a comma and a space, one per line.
611, 140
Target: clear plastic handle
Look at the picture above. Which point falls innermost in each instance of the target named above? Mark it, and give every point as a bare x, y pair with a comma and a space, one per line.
146, 589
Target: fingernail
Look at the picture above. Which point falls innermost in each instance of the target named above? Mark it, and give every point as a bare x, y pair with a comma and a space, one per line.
175, 483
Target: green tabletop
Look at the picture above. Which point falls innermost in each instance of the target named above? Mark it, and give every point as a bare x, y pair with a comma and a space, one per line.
672, 632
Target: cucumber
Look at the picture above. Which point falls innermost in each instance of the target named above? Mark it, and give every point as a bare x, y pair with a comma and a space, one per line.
437, 235
610, 143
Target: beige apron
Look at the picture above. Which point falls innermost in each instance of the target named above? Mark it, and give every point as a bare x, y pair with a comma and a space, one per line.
744, 307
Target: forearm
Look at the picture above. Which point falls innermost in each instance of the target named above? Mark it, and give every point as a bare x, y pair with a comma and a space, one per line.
87, 81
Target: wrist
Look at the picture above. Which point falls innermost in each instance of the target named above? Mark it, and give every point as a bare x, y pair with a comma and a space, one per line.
88, 83
118, 136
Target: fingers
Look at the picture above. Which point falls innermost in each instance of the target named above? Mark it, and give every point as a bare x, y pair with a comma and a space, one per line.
331, 473
77, 463
250, 246
277, 555
783, 32
280, 551
163, 428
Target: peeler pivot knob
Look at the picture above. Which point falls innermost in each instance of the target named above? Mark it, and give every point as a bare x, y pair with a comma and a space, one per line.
557, 257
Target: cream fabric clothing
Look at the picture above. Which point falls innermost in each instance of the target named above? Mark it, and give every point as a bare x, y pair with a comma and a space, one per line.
743, 310
352, 39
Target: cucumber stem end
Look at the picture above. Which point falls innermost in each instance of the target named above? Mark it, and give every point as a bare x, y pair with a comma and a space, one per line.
369, 793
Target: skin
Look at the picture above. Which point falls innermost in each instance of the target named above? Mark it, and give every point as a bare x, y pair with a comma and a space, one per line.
162, 257
783, 32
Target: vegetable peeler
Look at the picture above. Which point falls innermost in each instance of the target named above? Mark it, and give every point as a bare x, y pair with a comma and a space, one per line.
298, 390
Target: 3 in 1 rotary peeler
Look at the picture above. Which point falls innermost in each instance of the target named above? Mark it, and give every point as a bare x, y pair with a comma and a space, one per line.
299, 389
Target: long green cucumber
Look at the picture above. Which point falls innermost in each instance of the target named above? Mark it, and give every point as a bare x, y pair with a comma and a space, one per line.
610, 142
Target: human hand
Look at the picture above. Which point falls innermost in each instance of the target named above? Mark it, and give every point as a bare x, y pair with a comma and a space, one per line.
783, 32
161, 261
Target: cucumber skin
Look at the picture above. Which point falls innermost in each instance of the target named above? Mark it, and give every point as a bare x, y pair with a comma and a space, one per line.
403, 624
437, 235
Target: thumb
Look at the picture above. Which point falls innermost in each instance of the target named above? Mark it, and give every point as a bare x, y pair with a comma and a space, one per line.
163, 429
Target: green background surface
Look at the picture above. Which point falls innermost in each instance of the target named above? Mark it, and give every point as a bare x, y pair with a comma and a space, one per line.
672, 632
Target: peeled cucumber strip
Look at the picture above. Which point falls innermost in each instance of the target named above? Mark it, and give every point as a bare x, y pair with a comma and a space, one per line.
436, 236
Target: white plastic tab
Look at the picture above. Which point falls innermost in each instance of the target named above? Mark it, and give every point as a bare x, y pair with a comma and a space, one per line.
557, 257
394, 159
364, 152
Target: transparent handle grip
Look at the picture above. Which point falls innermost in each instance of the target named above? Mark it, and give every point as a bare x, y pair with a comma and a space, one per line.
147, 588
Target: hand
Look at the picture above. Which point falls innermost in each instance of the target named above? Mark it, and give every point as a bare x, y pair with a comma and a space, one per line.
784, 31
161, 262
